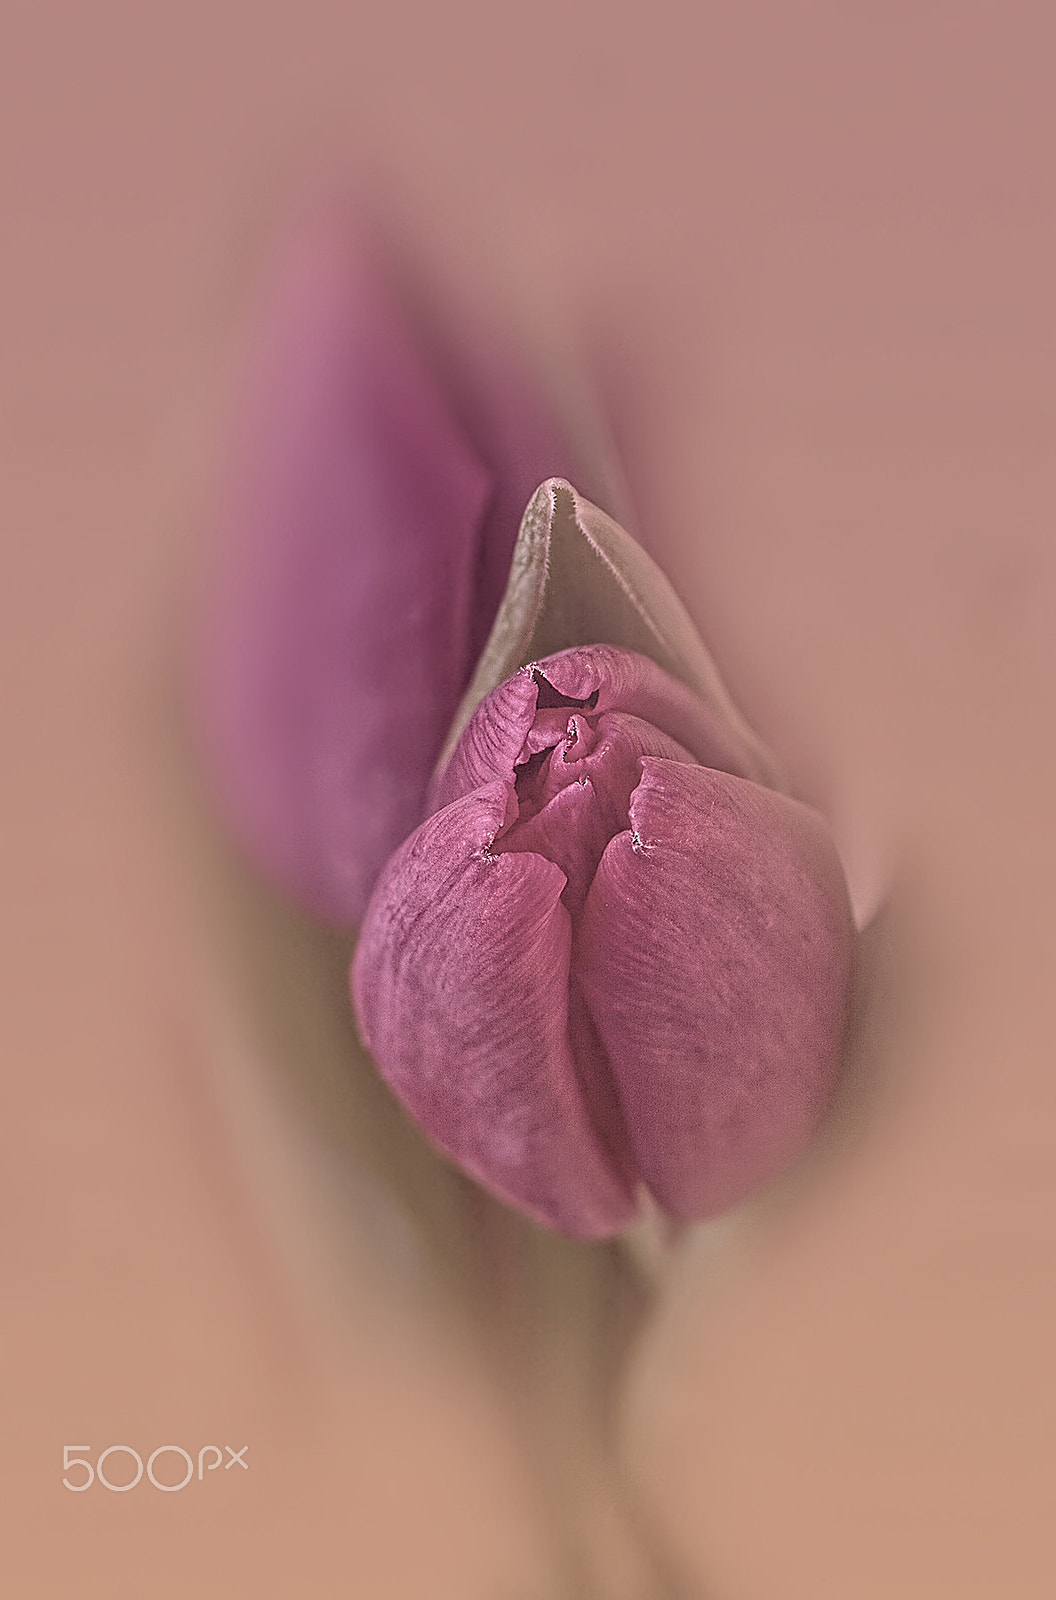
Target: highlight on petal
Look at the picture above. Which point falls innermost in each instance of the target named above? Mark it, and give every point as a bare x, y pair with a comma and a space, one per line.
715, 951
461, 987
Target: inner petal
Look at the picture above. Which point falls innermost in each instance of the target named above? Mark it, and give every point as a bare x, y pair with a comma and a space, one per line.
573, 795
569, 831
612, 762
548, 730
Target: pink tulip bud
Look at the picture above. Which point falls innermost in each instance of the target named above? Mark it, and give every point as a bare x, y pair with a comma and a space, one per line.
614, 958
609, 960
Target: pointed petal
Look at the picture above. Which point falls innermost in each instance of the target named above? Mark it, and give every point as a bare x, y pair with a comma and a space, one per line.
516, 436
714, 951
460, 982
577, 578
334, 644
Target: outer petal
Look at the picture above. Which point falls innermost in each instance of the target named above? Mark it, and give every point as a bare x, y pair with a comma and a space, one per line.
461, 982
491, 742
715, 952
336, 632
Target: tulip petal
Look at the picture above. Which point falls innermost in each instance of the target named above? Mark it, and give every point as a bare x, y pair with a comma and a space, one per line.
627, 681
603, 678
613, 763
519, 439
714, 951
334, 644
571, 832
577, 578
491, 744
461, 985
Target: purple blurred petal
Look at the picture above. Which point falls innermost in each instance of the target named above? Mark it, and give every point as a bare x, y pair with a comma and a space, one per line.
518, 439
461, 986
715, 951
364, 534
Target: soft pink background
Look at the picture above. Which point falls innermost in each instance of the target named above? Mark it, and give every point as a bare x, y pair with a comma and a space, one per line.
813, 248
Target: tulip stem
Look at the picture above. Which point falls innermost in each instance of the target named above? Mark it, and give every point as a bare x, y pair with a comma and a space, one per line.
649, 1244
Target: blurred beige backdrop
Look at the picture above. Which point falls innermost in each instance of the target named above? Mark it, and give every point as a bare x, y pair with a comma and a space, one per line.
811, 247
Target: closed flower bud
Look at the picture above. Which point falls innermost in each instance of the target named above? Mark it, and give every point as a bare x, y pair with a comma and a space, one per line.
614, 958
610, 959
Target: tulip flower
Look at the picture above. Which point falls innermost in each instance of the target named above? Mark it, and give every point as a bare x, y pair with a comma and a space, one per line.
602, 954
611, 960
